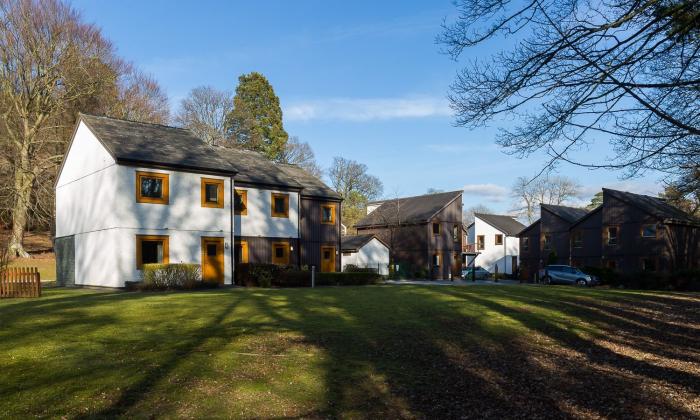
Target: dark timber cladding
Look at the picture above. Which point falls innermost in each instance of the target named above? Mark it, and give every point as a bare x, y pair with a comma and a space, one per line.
260, 248
423, 233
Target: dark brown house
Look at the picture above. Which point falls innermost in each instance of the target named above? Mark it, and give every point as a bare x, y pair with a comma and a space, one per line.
424, 233
628, 233
634, 232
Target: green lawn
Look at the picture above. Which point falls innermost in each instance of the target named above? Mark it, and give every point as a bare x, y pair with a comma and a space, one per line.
384, 351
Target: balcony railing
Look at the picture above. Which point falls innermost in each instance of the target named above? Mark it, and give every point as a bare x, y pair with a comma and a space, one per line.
469, 248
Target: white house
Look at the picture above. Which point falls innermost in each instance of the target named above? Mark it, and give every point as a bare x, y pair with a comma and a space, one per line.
131, 193
492, 240
365, 251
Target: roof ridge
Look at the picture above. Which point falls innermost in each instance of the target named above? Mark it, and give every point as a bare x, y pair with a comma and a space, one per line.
138, 122
416, 196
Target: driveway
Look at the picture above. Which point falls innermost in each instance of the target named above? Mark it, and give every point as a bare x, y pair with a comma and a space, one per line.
455, 282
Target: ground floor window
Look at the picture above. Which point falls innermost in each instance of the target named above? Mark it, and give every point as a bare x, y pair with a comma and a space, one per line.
436, 260
612, 264
151, 249
648, 264
240, 252
280, 253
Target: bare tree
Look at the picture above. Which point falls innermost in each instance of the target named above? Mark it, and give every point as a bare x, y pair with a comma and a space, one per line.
140, 98
684, 193
468, 214
300, 153
204, 112
529, 194
348, 175
625, 71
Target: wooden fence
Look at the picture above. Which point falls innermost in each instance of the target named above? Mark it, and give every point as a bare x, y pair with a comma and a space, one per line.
20, 282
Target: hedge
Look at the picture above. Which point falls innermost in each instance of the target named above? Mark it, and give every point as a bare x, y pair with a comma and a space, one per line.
171, 276
687, 279
270, 275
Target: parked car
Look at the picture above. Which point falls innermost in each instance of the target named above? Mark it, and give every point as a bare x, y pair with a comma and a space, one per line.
479, 273
565, 274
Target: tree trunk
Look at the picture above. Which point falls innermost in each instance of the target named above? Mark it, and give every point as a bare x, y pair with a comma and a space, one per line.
24, 180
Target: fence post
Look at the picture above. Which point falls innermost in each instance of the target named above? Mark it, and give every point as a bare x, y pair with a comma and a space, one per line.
313, 276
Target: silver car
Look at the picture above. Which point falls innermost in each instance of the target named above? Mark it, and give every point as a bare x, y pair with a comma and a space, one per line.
565, 274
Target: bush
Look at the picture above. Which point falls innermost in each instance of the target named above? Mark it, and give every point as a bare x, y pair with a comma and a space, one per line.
352, 268
171, 276
347, 279
270, 275
686, 279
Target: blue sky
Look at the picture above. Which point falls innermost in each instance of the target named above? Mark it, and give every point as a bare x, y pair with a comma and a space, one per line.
363, 80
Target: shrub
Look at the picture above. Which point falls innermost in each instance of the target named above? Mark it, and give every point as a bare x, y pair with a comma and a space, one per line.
352, 268
270, 275
685, 279
347, 279
171, 276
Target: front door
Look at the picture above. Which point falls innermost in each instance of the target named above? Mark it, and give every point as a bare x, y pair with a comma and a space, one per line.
456, 266
213, 260
328, 259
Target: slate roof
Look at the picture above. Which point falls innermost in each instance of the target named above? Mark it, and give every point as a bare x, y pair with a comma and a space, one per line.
570, 214
257, 169
653, 206
535, 224
136, 142
505, 224
313, 187
353, 243
417, 209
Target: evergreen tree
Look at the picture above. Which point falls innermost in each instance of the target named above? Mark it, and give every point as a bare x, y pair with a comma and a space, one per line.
255, 122
596, 201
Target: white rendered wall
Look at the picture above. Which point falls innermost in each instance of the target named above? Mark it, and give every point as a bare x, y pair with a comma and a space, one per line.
373, 254
259, 220
495, 255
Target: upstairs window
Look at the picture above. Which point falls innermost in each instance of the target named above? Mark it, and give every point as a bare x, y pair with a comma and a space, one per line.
480, 242
498, 239
328, 214
455, 233
649, 231
213, 193
151, 249
152, 187
240, 202
280, 205
526, 244
436, 229
577, 239
612, 235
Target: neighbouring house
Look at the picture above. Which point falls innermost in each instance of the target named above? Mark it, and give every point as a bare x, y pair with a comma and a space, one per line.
628, 233
365, 251
492, 243
131, 193
424, 233
633, 232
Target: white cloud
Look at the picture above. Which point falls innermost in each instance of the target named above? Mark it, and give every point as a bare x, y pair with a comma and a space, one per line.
346, 109
490, 192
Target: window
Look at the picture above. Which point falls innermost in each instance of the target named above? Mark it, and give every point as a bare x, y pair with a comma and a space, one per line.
328, 214
648, 264
436, 260
347, 254
240, 202
612, 264
480, 242
499, 239
240, 254
151, 249
213, 193
436, 229
547, 242
280, 253
577, 239
649, 231
455, 233
526, 244
280, 205
612, 235
152, 187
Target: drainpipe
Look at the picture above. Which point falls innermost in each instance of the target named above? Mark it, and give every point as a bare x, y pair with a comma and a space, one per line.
232, 246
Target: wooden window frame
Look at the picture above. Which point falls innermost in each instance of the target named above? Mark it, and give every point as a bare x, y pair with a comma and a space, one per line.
526, 244
244, 200
219, 204
456, 233
245, 256
496, 237
655, 260
480, 246
436, 256
165, 178
432, 228
547, 245
139, 248
610, 263
332, 207
287, 247
656, 231
574, 243
284, 214
606, 238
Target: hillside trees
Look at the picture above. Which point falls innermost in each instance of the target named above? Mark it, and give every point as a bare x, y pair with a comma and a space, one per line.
53, 65
350, 179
